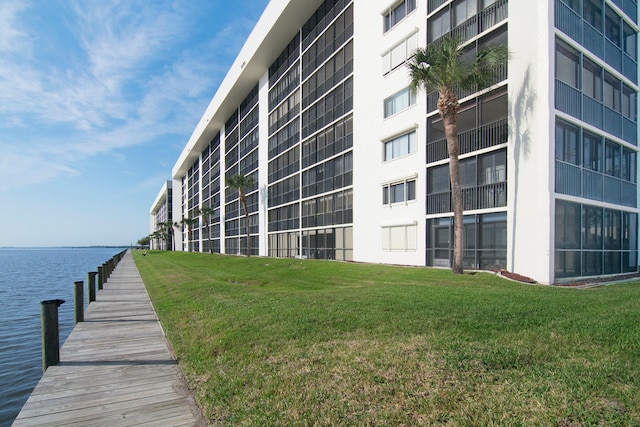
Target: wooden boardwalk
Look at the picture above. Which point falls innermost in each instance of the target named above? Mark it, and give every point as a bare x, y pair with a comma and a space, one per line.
116, 367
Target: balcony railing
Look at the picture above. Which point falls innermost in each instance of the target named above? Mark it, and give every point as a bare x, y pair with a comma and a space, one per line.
576, 181
629, 194
629, 131
481, 197
568, 21
592, 184
485, 136
612, 189
493, 14
568, 179
593, 39
630, 7
571, 23
434, 4
613, 122
629, 67
568, 99
500, 74
592, 110
478, 23
612, 54
439, 202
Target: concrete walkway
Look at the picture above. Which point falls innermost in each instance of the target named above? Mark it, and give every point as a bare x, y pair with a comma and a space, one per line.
116, 367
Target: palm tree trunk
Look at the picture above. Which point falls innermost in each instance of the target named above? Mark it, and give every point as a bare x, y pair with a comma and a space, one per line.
448, 106
243, 199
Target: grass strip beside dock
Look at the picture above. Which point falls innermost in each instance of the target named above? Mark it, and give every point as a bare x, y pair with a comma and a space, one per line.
266, 341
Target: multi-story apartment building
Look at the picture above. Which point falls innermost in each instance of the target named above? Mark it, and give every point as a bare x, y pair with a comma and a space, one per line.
350, 164
161, 216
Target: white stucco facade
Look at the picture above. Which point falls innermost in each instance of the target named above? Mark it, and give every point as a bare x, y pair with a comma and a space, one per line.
347, 166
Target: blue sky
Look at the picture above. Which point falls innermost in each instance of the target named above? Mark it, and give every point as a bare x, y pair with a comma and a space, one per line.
97, 100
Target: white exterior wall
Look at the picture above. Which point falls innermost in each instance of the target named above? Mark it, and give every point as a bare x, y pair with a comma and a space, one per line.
371, 129
177, 209
263, 163
531, 147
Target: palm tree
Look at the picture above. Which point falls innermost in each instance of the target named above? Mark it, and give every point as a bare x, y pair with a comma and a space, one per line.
440, 66
240, 183
206, 212
163, 233
188, 222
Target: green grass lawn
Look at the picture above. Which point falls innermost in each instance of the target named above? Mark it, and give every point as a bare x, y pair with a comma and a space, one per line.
266, 341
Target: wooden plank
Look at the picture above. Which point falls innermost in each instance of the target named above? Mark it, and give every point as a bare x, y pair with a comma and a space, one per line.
116, 367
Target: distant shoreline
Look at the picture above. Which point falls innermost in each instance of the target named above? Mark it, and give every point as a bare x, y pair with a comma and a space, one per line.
68, 247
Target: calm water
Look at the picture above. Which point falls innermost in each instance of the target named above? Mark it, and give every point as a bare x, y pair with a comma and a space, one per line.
28, 276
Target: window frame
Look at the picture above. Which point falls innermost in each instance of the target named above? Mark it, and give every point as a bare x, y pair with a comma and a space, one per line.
406, 186
409, 138
390, 19
391, 104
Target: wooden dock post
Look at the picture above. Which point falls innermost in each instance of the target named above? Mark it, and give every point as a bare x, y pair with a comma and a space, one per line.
91, 283
100, 277
78, 301
50, 332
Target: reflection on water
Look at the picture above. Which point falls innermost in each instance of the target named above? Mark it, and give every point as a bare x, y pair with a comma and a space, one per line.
28, 276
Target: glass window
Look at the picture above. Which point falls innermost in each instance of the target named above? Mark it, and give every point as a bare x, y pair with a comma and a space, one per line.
438, 179
573, 4
592, 263
494, 108
398, 13
399, 102
612, 159
466, 119
411, 190
399, 192
400, 53
492, 168
435, 129
493, 231
567, 65
611, 92
612, 27
630, 41
439, 25
567, 263
592, 152
463, 10
592, 227
592, 80
400, 146
567, 225
567, 143
629, 103
592, 13
629, 165
468, 172
630, 231
611, 229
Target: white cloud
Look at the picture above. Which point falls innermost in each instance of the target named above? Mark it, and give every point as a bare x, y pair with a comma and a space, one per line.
12, 37
19, 168
123, 73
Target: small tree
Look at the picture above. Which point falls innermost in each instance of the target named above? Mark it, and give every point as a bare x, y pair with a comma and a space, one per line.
166, 230
206, 212
188, 222
440, 66
145, 240
241, 183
